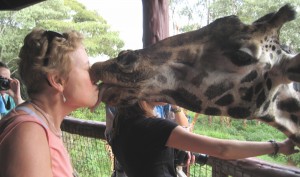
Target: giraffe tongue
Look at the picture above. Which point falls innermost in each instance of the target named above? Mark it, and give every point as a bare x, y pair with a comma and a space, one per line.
102, 88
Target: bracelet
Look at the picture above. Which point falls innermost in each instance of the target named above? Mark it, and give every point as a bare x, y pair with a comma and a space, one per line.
176, 110
276, 147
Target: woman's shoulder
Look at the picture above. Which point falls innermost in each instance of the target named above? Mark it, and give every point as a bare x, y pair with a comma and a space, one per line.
19, 138
16, 116
14, 121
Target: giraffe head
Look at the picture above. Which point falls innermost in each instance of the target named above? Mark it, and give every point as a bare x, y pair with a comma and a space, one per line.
226, 68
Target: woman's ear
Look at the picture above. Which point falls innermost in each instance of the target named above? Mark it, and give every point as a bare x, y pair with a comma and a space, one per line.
56, 82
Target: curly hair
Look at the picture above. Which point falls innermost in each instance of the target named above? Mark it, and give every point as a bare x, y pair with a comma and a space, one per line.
45, 52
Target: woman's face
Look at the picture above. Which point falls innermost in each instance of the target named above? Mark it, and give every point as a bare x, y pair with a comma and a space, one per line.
79, 90
4, 72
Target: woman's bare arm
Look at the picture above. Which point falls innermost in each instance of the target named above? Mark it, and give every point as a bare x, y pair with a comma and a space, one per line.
224, 149
25, 152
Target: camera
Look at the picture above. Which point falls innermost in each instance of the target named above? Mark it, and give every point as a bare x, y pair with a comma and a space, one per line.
4, 83
182, 156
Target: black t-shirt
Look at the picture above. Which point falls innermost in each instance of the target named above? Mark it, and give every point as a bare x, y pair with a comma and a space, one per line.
139, 146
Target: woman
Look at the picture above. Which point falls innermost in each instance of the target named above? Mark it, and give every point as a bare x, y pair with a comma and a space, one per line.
161, 110
144, 144
55, 69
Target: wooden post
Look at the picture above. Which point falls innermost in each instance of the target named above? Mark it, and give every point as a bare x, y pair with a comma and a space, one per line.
155, 21
156, 24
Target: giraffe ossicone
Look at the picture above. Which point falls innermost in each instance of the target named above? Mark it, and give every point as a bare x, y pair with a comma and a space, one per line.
227, 68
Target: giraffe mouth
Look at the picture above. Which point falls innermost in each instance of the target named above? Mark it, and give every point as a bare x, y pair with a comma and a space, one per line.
102, 88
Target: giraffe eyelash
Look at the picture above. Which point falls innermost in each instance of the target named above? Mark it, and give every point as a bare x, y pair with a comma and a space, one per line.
246, 50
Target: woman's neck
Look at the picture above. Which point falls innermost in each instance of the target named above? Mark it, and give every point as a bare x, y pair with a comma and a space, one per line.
56, 110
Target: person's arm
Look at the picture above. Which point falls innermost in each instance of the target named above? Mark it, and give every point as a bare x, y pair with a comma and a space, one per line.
25, 152
180, 116
224, 149
182, 120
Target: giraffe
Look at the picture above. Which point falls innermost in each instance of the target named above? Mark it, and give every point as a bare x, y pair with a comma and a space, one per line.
226, 68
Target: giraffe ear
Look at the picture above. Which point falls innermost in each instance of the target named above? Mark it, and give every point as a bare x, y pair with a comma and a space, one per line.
292, 69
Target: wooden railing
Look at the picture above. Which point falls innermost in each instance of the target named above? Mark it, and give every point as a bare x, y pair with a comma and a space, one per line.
251, 167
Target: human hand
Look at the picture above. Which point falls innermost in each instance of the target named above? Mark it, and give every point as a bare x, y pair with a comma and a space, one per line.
191, 159
14, 88
184, 158
287, 147
173, 106
15, 91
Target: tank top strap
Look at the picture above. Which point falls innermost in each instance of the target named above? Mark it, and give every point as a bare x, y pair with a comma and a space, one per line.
32, 113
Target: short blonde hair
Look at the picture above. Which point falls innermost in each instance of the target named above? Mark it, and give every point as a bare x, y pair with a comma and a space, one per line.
45, 52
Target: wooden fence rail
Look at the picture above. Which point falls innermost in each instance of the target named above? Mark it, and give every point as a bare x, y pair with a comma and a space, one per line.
250, 167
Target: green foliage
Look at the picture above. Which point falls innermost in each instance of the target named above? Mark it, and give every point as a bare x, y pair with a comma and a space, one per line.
85, 153
86, 114
88, 164
253, 131
202, 13
58, 15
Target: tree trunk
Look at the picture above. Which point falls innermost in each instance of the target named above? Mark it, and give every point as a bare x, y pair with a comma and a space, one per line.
155, 21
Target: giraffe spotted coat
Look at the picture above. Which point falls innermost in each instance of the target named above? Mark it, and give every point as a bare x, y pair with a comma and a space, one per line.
227, 68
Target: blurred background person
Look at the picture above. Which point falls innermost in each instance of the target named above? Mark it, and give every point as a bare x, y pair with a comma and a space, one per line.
9, 89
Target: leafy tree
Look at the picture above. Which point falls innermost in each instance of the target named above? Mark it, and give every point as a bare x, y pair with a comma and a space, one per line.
189, 12
250, 10
247, 10
217, 8
58, 15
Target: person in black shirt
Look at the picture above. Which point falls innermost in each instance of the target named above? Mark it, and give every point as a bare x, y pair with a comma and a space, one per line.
161, 110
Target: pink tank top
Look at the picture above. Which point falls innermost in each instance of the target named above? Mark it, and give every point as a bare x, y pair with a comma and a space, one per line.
61, 165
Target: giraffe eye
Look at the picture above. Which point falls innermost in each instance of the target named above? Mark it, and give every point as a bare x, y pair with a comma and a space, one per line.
240, 58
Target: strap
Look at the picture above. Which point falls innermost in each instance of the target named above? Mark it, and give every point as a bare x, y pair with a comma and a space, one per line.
6, 102
32, 113
275, 146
